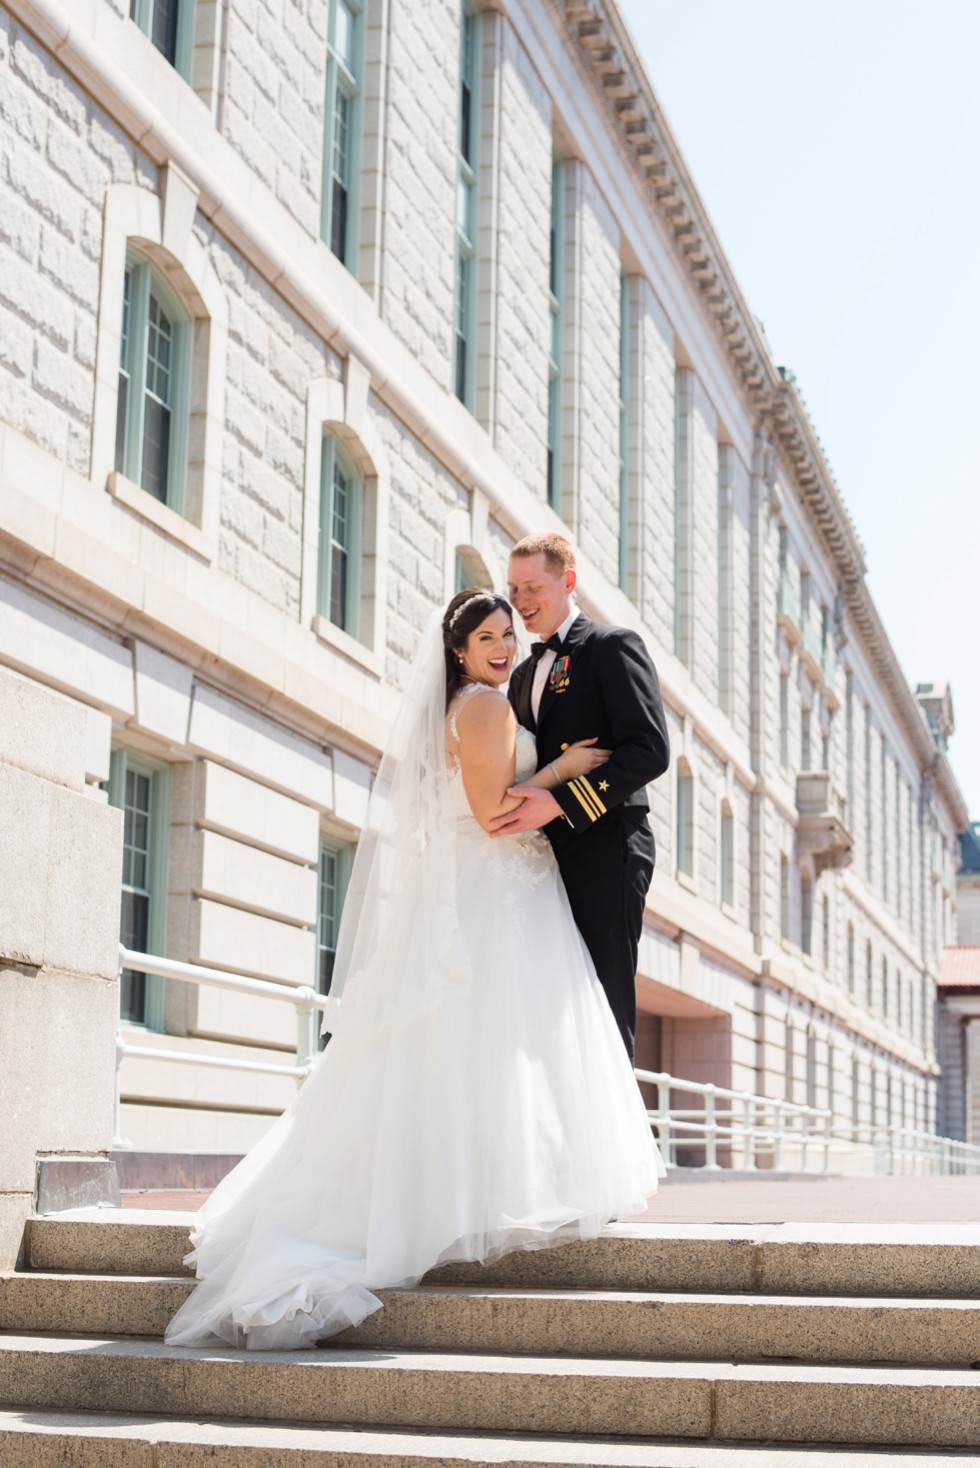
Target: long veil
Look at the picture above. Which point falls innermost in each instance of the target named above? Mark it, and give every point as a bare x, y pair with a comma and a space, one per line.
400, 915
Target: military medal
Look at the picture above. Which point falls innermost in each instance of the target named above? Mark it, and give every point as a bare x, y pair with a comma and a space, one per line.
558, 678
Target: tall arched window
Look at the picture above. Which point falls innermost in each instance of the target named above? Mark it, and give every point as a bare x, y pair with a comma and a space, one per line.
869, 975
685, 818
342, 129
340, 537
825, 954
851, 979
884, 986
806, 913
466, 205
151, 409
726, 856
555, 264
470, 570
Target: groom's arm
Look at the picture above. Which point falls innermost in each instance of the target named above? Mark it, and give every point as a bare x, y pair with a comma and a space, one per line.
640, 743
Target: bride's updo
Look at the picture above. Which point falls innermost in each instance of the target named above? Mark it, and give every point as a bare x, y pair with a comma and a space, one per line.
462, 616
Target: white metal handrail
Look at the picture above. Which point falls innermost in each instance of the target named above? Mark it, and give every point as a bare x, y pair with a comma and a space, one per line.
306, 1001
744, 1123
751, 1124
744, 1118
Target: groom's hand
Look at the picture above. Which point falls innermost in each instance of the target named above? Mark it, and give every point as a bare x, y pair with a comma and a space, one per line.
538, 808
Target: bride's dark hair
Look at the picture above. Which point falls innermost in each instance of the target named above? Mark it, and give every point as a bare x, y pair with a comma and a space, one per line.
462, 616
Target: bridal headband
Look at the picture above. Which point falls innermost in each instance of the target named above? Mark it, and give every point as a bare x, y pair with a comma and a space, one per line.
477, 596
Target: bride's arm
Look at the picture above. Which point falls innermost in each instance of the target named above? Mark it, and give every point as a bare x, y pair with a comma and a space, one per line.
487, 754
580, 758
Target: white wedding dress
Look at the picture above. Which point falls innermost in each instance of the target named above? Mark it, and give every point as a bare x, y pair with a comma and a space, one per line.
507, 1117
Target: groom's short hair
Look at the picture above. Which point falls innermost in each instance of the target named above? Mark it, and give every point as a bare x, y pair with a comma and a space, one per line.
557, 551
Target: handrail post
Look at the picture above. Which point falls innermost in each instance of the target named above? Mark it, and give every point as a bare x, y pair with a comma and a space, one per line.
748, 1156
306, 1039
710, 1131
828, 1138
663, 1124
777, 1135
119, 1142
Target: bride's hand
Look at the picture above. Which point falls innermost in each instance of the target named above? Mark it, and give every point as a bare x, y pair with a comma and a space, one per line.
580, 758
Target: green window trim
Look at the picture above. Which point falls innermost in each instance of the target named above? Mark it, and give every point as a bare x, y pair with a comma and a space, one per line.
340, 190
169, 25
555, 266
338, 571
467, 154
333, 875
140, 787
154, 370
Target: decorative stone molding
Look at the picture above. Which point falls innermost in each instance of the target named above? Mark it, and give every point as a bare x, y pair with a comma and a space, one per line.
341, 406
160, 226
822, 835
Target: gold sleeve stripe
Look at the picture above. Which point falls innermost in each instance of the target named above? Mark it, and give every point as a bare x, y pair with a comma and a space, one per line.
588, 797
594, 794
573, 787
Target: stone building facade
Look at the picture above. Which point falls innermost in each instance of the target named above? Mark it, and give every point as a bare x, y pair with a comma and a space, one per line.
307, 312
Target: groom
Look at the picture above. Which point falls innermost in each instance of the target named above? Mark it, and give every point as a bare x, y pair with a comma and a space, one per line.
584, 680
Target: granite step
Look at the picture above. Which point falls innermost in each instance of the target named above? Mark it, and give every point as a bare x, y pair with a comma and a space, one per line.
53, 1439
628, 1324
879, 1260
891, 1405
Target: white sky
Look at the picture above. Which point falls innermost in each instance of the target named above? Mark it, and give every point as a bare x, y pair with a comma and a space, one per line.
836, 146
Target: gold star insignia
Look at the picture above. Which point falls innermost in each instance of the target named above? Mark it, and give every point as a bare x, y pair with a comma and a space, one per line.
603, 784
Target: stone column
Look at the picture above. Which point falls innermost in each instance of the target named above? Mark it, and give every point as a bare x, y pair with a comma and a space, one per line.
59, 933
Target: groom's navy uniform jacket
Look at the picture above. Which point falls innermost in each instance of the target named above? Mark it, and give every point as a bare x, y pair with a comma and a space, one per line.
603, 685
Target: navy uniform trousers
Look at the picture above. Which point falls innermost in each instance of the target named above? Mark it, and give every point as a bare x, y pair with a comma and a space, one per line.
603, 685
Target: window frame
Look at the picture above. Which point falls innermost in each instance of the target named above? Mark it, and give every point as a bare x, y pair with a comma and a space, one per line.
685, 822
465, 230
343, 853
625, 327
807, 896
556, 254
122, 760
145, 281
141, 14
349, 80
334, 455
726, 855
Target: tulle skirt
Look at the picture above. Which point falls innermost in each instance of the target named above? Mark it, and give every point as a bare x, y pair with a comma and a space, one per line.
506, 1117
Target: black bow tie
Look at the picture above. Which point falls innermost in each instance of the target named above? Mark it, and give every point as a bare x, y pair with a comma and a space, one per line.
538, 649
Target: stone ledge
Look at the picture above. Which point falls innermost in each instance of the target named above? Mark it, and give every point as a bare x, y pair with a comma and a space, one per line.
125, 492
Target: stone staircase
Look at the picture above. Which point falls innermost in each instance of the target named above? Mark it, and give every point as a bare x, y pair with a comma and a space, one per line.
655, 1346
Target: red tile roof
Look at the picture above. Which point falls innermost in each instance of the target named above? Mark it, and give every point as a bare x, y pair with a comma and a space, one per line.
961, 968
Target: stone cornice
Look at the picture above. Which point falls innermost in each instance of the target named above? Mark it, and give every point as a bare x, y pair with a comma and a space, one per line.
770, 395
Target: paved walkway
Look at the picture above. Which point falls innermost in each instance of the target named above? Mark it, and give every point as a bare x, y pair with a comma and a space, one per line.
791, 1200
818, 1199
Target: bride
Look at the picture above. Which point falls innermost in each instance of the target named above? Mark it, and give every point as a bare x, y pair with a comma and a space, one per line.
475, 1096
